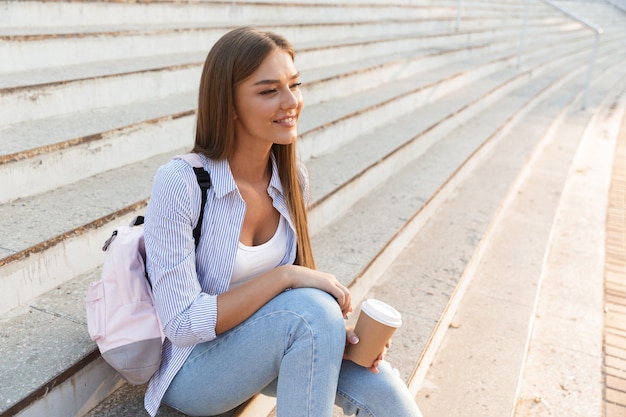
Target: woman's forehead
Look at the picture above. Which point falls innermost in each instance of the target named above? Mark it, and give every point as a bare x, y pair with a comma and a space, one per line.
278, 66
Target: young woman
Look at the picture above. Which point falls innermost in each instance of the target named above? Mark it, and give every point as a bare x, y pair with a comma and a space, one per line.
246, 311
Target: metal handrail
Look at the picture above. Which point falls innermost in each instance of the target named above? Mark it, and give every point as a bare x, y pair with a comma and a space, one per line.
620, 4
597, 33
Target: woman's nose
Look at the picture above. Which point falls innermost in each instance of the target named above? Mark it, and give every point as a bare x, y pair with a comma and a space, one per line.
291, 99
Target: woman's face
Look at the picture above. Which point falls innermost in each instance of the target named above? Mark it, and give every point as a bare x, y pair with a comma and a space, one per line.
268, 104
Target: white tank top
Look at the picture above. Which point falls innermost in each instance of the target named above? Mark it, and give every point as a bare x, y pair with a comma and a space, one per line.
252, 261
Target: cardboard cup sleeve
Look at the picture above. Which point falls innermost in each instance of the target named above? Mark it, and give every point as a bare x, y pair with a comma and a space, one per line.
376, 324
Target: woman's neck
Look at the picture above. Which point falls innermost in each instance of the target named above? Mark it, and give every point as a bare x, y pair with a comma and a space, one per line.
250, 168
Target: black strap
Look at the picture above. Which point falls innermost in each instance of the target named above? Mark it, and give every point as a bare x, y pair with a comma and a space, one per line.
204, 181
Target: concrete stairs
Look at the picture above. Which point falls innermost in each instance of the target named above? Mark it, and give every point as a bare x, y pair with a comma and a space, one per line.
417, 134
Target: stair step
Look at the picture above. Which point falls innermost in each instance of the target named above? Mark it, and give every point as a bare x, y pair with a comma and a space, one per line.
140, 79
31, 347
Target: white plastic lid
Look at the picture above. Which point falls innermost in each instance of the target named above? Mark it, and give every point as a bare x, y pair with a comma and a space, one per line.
382, 312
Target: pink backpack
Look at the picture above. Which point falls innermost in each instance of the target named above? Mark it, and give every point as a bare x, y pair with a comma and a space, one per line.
121, 316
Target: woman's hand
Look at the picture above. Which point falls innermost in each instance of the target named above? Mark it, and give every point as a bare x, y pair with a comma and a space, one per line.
352, 338
302, 277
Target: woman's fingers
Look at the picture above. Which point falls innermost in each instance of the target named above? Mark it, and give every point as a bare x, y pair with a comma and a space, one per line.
374, 368
340, 292
346, 303
351, 337
306, 277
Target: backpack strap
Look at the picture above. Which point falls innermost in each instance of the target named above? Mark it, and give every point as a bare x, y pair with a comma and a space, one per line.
204, 181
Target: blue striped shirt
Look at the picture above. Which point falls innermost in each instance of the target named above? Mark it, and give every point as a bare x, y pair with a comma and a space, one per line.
186, 280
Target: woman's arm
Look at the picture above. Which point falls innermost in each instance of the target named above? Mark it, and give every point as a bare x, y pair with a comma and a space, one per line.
188, 315
236, 305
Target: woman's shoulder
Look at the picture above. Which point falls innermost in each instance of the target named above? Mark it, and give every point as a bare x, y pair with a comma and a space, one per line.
179, 174
175, 172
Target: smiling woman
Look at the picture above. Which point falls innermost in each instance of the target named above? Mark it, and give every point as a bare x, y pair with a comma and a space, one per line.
268, 104
232, 328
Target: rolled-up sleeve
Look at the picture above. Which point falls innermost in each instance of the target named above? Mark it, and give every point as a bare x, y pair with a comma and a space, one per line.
188, 315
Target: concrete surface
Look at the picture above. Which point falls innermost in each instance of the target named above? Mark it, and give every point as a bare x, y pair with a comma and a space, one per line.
559, 297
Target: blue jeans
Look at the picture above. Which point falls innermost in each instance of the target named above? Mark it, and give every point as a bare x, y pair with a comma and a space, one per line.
291, 348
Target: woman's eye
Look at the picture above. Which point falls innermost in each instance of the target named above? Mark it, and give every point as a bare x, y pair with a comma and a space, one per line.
293, 86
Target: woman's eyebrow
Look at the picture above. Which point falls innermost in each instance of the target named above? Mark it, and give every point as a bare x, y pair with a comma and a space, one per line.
266, 82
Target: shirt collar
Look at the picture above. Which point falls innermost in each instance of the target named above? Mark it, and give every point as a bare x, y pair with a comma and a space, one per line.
275, 182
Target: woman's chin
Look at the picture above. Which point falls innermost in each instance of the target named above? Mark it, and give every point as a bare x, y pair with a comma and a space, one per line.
286, 140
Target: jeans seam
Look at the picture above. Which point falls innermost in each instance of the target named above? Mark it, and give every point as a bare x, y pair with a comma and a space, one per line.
312, 369
313, 348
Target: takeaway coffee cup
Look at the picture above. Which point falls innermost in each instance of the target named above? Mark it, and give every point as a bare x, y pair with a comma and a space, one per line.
376, 324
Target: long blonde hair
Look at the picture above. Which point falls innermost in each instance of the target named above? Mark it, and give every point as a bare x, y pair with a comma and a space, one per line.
234, 58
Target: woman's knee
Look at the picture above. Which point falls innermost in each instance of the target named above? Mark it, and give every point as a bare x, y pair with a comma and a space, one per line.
320, 311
